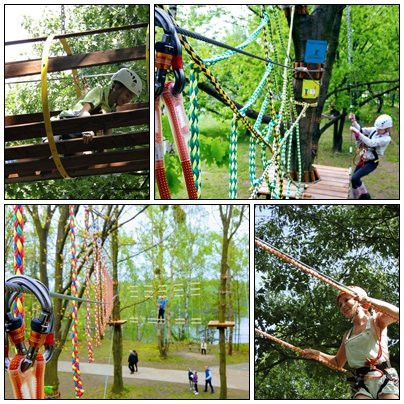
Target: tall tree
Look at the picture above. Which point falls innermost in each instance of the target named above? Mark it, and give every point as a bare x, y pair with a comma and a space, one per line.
231, 218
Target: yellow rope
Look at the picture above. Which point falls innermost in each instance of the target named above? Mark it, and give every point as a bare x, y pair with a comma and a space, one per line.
75, 74
45, 108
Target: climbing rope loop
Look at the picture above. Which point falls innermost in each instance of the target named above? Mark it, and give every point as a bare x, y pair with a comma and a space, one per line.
179, 128
160, 173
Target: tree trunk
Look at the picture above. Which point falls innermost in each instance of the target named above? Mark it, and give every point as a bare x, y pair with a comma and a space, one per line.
162, 340
323, 24
231, 308
117, 386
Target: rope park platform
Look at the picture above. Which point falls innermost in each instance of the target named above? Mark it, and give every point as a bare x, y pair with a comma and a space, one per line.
333, 184
115, 153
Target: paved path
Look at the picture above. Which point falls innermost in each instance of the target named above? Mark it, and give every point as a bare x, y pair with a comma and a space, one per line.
237, 375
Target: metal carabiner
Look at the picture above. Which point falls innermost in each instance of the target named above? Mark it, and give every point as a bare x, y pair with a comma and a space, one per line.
168, 54
41, 326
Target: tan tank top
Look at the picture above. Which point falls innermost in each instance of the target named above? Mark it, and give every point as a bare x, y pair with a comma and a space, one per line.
365, 346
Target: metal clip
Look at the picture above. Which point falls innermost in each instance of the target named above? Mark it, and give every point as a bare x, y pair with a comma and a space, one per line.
168, 54
41, 326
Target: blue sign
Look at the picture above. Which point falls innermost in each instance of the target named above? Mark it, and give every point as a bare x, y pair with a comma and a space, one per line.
315, 51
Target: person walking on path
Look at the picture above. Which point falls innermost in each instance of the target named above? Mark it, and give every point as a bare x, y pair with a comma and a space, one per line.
191, 379
203, 347
208, 379
133, 360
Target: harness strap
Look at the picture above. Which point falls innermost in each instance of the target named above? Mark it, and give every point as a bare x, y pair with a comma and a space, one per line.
359, 377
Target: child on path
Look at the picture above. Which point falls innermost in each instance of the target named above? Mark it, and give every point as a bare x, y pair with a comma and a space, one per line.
196, 382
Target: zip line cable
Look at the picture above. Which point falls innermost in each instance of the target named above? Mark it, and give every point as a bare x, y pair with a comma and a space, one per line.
11, 287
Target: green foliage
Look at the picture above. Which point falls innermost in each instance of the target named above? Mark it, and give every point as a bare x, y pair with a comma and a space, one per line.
105, 187
353, 244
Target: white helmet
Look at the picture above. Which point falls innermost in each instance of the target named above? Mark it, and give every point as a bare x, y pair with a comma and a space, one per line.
383, 122
129, 79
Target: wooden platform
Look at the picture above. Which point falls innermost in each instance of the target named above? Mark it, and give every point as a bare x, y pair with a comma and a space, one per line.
333, 184
117, 323
217, 324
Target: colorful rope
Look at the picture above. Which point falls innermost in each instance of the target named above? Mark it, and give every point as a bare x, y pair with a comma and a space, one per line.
298, 350
194, 127
233, 159
88, 287
18, 219
97, 283
78, 386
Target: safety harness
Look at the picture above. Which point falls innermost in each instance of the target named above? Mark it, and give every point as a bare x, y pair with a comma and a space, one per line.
362, 161
357, 381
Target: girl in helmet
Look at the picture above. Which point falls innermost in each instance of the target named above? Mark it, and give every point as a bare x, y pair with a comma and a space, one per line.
364, 346
124, 86
374, 141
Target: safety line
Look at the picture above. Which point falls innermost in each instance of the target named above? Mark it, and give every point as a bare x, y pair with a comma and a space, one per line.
298, 350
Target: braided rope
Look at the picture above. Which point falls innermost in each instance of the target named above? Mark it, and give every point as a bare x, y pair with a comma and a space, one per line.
243, 45
18, 219
233, 159
194, 147
88, 286
219, 89
97, 289
252, 145
276, 153
305, 268
313, 272
298, 350
78, 386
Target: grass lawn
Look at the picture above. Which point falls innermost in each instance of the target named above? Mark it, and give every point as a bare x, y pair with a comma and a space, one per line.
382, 184
134, 389
179, 357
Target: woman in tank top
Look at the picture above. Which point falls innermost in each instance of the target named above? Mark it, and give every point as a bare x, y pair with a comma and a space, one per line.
364, 347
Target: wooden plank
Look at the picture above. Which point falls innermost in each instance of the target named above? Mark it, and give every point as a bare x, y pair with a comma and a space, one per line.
78, 34
80, 60
10, 120
74, 162
218, 324
333, 184
42, 150
64, 126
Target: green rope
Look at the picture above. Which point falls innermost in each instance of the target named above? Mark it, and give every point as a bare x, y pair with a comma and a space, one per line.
243, 45
233, 159
194, 127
